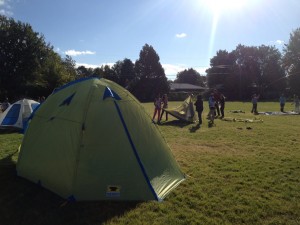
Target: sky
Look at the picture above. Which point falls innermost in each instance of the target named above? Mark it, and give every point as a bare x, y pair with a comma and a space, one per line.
184, 33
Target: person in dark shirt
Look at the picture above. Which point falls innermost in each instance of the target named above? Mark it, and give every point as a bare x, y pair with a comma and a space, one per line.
5, 105
217, 97
165, 106
222, 105
199, 108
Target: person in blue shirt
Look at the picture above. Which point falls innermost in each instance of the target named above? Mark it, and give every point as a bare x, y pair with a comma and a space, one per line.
254, 100
282, 101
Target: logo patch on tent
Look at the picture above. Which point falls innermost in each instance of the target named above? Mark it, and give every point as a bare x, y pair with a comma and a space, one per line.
113, 191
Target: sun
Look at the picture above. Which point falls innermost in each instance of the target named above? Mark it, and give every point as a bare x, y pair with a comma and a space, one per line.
222, 6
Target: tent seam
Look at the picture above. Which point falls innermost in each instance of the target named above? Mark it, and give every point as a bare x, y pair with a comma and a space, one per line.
136, 153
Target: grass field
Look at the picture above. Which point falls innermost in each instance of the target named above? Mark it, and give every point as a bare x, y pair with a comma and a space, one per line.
237, 173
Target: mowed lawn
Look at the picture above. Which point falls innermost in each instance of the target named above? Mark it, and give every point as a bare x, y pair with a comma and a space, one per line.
237, 173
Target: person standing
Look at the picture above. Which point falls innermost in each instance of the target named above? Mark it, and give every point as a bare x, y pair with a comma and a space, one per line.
211, 104
282, 101
222, 105
165, 106
199, 108
5, 104
217, 97
297, 104
254, 103
157, 109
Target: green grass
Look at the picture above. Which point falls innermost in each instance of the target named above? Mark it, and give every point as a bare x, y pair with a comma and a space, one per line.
235, 175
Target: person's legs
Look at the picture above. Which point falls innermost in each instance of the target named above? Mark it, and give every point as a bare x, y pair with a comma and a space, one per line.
162, 113
222, 110
212, 114
255, 108
155, 111
200, 117
158, 115
217, 109
281, 107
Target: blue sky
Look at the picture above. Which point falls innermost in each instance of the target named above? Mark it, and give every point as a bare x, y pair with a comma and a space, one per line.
184, 33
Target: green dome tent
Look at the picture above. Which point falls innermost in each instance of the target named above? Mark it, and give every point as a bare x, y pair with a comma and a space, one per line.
92, 140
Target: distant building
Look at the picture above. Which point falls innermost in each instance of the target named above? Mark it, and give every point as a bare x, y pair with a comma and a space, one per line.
180, 91
182, 87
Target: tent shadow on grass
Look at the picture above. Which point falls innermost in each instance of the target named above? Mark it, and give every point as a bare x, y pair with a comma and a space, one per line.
175, 123
23, 202
9, 131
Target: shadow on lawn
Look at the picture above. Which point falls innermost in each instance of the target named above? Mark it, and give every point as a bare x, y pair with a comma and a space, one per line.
9, 130
23, 202
175, 123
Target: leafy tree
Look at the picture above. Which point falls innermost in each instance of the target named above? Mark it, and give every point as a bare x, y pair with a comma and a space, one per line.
222, 74
82, 72
291, 61
259, 69
271, 76
151, 78
109, 73
70, 68
22, 54
98, 72
246, 70
54, 73
124, 71
29, 66
127, 72
189, 76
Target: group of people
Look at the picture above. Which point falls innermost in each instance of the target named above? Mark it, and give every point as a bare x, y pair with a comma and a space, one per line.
216, 104
160, 104
282, 101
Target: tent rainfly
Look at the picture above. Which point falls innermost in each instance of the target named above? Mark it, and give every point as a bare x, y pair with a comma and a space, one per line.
185, 111
92, 140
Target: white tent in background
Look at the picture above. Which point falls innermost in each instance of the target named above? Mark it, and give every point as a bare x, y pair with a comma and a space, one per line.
17, 113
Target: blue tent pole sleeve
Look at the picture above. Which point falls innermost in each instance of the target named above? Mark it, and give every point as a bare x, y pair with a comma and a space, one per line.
135, 152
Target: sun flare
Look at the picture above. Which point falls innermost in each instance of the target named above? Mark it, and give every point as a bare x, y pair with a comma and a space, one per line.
218, 6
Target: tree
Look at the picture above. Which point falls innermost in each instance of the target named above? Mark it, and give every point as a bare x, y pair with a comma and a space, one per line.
247, 70
260, 71
223, 75
291, 61
151, 78
124, 71
271, 76
29, 66
70, 72
189, 76
54, 73
82, 72
22, 54
109, 73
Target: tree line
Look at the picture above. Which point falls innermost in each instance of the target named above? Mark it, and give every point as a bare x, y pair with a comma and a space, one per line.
29, 67
262, 70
